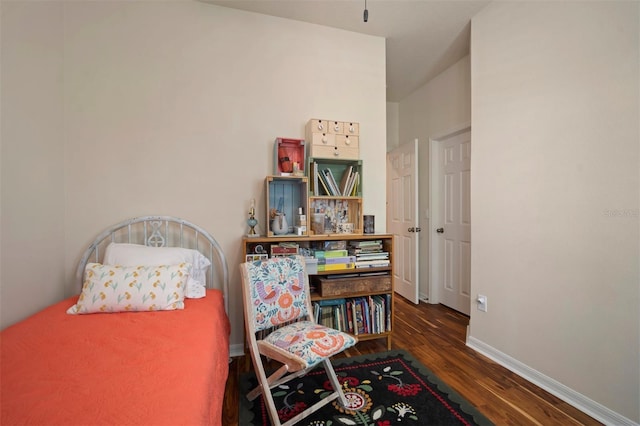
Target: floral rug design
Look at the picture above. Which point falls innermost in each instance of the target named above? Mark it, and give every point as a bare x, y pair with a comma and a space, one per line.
383, 389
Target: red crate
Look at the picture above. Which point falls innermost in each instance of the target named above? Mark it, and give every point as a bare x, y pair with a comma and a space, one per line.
289, 157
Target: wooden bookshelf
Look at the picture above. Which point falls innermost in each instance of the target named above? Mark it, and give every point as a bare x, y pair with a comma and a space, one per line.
372, 283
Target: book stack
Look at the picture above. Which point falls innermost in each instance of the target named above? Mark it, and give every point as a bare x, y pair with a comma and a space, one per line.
369, 254
331, 313
324, 182
334, 260
349, 182
358, 315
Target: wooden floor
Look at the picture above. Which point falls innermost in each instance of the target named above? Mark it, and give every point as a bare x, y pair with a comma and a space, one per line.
435, 335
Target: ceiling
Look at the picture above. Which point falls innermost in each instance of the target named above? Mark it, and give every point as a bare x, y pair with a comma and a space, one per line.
423, 37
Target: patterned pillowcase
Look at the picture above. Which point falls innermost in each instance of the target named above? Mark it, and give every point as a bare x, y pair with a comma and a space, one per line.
135, 254
132, 288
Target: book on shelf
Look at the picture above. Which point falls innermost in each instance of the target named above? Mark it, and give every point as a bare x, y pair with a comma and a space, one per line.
325, 185
326, 316
365, 243
383, 313
351, 183
340, 322
357, 315
373, 315
336, 260
372, 263
388, 311
331, 182
289, 244
354, 184
335, 245
366, 315
313, 178
335, 266
334, 183
371, 274
332, 313
320, 181
331, 302
347, 275
322, 254
284, 248
373, 256
349, 314
336, 318
358, 327
379, 313
345, 181
366, 250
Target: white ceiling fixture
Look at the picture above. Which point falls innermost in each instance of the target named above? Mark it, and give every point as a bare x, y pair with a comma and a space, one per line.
423, 37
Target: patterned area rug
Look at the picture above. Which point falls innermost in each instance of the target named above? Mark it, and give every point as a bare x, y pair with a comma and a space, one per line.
383, 389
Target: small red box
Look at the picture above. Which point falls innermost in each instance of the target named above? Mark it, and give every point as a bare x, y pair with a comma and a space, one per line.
289, 156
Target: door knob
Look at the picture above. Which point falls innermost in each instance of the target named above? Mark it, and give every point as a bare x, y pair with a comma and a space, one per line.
440, 230
418, 229
411, 229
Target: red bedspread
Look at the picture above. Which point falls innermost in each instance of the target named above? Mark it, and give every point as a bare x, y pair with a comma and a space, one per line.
148, 368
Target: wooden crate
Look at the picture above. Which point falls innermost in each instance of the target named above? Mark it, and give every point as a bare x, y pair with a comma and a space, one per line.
339, 169
352, 286
293, 193
286, 153
329, 214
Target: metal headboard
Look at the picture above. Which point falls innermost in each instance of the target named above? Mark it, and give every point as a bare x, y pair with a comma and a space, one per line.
162, 231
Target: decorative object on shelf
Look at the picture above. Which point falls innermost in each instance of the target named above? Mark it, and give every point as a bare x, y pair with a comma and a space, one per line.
289, 157
279, 223
256, 257
369, 224
345, 228
329, 216
252, 221
300, 227
333, 139
285, 161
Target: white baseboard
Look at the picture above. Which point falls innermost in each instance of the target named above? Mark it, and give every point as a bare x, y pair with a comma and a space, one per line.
236, 350
581, 402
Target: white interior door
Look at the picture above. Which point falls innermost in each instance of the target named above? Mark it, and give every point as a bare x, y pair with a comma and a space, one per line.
402, 217
452, 233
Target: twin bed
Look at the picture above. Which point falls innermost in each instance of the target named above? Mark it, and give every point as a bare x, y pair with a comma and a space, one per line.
145, 343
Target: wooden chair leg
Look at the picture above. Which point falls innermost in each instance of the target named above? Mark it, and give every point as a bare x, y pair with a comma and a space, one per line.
315, 407
337, 386
264, 388
270, 383
267, 383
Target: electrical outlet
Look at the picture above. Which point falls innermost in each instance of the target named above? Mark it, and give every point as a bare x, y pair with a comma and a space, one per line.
482, 303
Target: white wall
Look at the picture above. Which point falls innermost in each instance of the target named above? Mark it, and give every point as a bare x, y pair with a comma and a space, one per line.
32, 161
440, 106
172, 108
393, 125
555, 192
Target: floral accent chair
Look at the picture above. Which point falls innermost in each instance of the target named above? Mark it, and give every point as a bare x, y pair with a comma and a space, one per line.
280, 326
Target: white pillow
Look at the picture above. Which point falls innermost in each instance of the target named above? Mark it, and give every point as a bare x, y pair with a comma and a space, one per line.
108, 288
137, 254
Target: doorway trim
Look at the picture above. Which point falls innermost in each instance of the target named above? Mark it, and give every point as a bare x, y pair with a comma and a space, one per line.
434, 205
